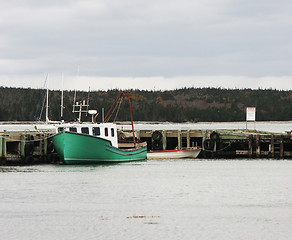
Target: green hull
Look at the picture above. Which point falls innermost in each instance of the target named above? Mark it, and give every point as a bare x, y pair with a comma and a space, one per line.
76, 148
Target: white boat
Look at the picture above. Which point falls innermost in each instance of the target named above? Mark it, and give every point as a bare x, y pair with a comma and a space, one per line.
174, 154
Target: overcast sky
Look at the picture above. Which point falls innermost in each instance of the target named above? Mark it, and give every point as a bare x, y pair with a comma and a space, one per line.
146, 44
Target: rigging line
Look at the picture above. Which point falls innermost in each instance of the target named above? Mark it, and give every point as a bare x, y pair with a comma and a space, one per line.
36, 115
112, 112
220, 150
105, 119
118, 110
41, 112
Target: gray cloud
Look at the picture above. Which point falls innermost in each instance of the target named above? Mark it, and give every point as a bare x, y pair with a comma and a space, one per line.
142, 38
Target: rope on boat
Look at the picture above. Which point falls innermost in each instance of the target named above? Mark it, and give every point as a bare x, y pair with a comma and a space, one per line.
220, 150
118, 110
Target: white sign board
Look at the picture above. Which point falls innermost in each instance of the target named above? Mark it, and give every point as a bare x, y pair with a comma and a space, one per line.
250, 114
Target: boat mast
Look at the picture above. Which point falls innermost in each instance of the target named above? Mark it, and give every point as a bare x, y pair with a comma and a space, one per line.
47, 106
74, 102
87, 102
62, 98
131, 119
102, 113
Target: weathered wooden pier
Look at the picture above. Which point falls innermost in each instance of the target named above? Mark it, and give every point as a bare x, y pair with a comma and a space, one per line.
26, 147
222, 143
35, 146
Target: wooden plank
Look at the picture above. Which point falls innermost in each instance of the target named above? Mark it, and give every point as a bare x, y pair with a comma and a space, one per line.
241, 152
145, 134
197, 134
287, 154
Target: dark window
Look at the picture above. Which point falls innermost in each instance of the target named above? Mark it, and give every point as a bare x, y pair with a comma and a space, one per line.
60, 129
85, 130
113, 132
96, 131
73, 129
106, 132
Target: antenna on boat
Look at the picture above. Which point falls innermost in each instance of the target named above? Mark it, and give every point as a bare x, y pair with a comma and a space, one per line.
102, 113
74, 101
87, 101
93, 114
80, 105
62, 98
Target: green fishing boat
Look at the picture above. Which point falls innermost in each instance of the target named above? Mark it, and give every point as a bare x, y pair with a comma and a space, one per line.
89, 143
93, 143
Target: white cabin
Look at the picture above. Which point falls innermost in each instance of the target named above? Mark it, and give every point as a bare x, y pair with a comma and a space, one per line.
106, 131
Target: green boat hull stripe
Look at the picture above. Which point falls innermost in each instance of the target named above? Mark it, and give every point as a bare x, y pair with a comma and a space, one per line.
126, 154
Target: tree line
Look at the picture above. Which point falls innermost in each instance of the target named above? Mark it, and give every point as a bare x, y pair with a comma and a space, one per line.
180, 105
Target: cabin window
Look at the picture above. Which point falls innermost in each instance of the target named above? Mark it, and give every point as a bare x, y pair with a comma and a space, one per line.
106, 132
60, 129
73, 129
113, 132
96, 131
85, 130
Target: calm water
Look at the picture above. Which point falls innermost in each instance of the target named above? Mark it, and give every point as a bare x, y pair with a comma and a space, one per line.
169, 199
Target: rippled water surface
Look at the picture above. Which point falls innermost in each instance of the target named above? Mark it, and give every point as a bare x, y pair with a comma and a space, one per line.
165, 199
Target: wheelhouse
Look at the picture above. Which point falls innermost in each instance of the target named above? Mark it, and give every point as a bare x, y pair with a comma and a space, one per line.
106, 131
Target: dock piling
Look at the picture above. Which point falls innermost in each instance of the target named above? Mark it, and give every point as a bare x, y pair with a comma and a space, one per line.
4, 147
273, 146
1, 148
188, 138
164, 142
250, 140
281, 147
179, 139
22, 146
258, 146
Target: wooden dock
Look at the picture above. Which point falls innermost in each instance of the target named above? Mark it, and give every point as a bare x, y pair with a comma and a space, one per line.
26, 147
34, 145
222, 143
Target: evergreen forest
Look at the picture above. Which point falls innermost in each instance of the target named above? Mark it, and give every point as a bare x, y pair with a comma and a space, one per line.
180, 105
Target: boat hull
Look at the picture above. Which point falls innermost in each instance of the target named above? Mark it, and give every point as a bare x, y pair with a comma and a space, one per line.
174, 154
76, 148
